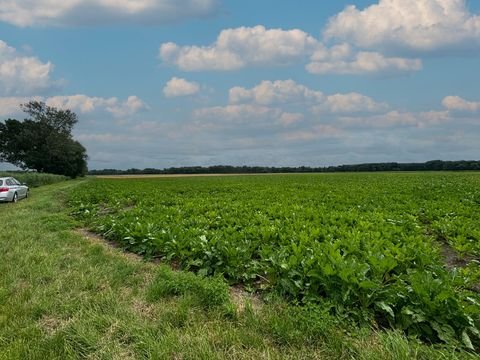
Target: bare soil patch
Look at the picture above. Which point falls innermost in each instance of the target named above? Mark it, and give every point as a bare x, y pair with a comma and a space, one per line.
241, 299
453, 259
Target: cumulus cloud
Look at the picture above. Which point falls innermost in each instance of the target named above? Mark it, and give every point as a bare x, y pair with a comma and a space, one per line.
246, 116
126, 108
342, 59
397, 118
241, 47
243, 112
243, 117
180, 87
287, 110
80, 103
414, 25
292, 112
86, 104
288, 92
369, 41
25, 13
275, 92
459, 104
23, 75
348, 103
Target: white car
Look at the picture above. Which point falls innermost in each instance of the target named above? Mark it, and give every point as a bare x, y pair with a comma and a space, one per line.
12, 190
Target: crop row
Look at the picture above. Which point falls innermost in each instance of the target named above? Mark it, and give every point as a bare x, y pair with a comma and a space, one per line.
366, 245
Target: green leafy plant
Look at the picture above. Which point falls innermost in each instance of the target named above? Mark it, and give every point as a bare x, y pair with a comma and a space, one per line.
369, 244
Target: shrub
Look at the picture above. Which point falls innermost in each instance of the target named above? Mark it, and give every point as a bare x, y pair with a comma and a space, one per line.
33, 179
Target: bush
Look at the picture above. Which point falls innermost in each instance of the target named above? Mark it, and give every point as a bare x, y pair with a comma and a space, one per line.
33, 179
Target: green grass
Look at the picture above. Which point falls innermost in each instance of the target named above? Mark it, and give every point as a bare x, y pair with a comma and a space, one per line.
63, 296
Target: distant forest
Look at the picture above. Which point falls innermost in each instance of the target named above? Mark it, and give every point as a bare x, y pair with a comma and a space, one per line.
435, 165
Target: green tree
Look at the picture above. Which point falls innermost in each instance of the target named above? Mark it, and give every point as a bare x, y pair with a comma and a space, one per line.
44, 142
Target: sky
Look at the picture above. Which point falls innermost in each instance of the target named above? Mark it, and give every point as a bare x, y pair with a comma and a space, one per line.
161, 83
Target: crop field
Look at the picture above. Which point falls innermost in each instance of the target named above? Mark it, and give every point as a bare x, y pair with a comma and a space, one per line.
390, 250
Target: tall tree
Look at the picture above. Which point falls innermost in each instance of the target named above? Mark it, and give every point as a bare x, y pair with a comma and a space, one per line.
61, 121
44, 142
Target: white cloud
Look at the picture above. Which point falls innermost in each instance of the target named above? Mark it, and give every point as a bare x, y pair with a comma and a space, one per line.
126, 108
287, 119
397, 118
76, 12
23, 75
285, 108
79, 103
275, 92
316, 132
342, 59
415, 25
243, 112
457, 103
241, 47
87, 104
180, 87
349, 103
244, 115
289, 93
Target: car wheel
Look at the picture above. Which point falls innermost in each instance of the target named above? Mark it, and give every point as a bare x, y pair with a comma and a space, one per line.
27, 194
15, 198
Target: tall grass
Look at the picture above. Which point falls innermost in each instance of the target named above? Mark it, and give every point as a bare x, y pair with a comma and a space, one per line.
33, 179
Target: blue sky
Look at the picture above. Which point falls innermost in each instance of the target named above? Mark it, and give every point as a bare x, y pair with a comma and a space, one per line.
159, 83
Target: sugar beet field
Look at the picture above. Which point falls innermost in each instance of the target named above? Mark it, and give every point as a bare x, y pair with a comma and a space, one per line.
392, 250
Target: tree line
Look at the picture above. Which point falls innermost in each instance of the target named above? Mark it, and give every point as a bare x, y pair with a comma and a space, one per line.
434, 165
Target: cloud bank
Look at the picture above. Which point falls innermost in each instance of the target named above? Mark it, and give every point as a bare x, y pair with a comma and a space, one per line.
79, 103
289, 93
25, 13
